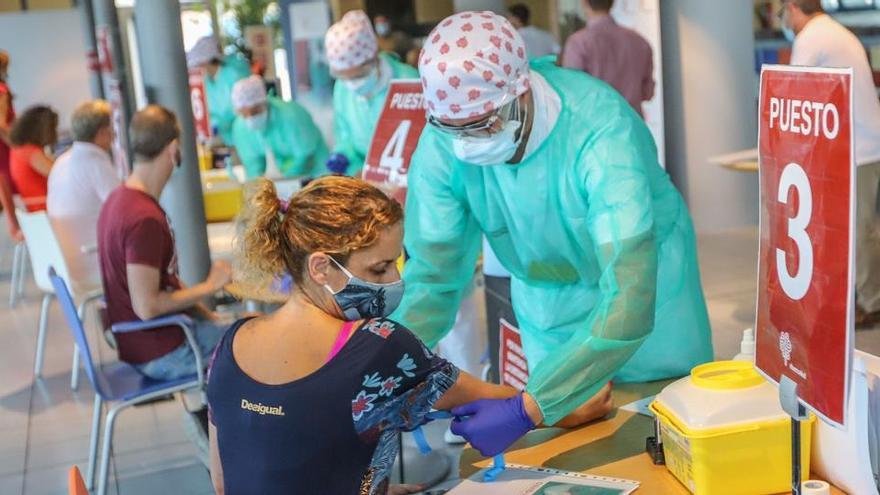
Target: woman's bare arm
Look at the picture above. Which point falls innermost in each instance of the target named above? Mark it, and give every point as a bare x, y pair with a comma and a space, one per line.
468, 389
216, 467
41, 163
4, 126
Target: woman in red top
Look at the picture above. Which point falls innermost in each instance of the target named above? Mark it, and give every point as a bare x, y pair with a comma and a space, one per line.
7, 114
29, 165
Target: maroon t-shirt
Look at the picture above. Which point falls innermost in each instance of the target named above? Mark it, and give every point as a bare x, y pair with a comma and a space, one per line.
133, 229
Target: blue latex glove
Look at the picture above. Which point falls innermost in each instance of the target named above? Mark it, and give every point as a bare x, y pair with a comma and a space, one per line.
492, 425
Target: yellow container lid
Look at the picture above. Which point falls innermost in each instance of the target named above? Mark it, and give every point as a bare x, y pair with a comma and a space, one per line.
720, 395
726, 375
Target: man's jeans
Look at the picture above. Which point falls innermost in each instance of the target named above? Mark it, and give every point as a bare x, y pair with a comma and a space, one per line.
181, 361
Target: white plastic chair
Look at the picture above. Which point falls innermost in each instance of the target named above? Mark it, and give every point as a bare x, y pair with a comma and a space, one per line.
45, 252
7, 200
19, 256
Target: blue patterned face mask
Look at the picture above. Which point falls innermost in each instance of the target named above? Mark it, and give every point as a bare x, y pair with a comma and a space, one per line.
362, 300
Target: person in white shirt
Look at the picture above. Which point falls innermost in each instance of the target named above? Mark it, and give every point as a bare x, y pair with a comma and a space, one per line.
538, 42
80, 181
821, 41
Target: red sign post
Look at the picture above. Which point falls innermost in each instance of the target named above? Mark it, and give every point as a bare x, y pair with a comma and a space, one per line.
199, 104
394, 140
120, 127
512, 359
805, 286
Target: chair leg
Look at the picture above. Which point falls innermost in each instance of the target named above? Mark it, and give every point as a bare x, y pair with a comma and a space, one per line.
105, 449
41, 335
93, 442
74, 367
13, 284
22, 268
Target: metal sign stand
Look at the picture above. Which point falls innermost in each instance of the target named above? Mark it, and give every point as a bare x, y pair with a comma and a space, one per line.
791, 405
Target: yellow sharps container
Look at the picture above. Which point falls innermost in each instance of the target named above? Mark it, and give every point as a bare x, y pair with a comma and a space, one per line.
223, 196
724, 432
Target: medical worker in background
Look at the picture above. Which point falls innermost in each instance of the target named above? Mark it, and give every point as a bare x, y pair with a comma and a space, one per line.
561, 175
362, 75
275, 138
220, 74
821, 41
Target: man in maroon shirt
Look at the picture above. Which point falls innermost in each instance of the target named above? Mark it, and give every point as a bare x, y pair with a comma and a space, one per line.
612, 53
139, 261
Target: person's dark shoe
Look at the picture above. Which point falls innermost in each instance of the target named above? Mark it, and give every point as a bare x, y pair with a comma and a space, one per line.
864, 319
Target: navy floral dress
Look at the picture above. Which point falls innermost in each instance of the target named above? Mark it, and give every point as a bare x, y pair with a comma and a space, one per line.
334, 431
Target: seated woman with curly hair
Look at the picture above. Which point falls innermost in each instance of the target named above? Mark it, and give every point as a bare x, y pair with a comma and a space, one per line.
312, 398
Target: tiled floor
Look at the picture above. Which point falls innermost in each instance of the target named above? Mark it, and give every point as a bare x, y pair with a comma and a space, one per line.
44, 426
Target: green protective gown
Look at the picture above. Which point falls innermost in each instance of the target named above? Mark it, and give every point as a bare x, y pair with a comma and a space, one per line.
355, 117
291, 134
601, 248
218, 91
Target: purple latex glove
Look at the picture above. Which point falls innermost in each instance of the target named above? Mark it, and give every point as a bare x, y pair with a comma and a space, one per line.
492, 425
337, 163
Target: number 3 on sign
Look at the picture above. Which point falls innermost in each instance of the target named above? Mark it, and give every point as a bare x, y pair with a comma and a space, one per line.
392, 156
796, 286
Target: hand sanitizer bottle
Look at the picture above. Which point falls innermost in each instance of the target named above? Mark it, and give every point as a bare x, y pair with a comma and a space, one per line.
746, 346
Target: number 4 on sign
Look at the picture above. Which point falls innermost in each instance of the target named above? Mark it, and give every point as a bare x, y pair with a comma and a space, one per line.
796, 286
391, 160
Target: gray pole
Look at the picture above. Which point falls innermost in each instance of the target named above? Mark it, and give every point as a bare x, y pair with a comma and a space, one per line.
106, 15
166, 81
87, 13
289, 44
708, 51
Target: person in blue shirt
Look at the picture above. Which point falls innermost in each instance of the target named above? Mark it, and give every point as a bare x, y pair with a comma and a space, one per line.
220, 74
363, 75
275, 138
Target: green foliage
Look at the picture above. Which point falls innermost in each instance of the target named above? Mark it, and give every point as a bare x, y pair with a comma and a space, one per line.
252, 13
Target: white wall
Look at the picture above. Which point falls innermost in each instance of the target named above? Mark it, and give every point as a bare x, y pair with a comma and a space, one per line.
48, 62
710, 107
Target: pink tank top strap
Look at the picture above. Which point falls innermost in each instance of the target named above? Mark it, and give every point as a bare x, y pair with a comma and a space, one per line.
341, 339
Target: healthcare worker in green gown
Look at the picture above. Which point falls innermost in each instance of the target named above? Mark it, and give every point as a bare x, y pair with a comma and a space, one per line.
220, 74
362, 74
561, 176
275, 138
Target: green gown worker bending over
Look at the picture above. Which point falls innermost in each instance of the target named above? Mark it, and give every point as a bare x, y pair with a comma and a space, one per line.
220, 74
561, 176
363, 75
275, 138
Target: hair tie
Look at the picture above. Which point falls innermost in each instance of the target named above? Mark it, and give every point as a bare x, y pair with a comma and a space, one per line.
283, 206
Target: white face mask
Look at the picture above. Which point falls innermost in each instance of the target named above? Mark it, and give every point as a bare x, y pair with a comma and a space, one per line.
383, 29
372, 83
492, 150
787, 30
257, 122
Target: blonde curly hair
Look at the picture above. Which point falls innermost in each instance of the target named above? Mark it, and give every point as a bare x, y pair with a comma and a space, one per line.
333, 215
